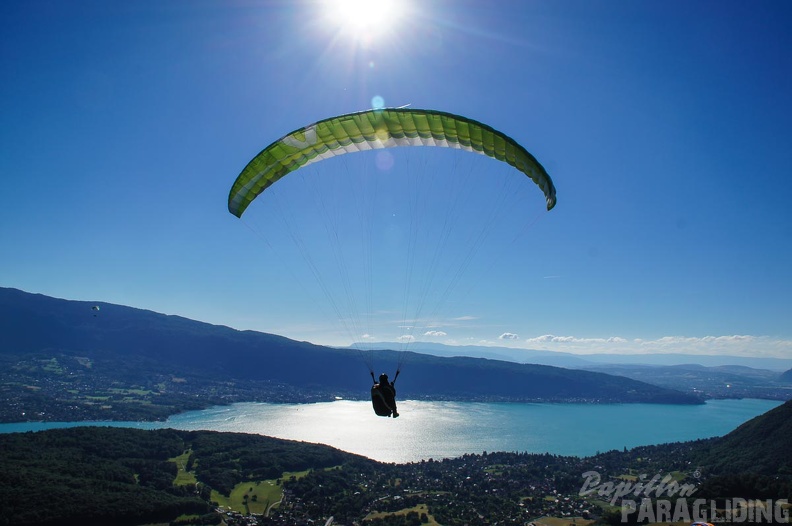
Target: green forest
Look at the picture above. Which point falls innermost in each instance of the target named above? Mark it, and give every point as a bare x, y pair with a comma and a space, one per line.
93, 475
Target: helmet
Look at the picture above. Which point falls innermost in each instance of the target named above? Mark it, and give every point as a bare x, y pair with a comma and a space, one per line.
383, 379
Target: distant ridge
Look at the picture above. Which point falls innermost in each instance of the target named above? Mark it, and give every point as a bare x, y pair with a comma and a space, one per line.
584, 361
134, 346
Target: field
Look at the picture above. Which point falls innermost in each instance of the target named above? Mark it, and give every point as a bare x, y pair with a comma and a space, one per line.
555, 521
183, 477
255, 496
419, 509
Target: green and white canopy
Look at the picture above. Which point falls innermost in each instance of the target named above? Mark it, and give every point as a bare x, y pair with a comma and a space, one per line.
376, 129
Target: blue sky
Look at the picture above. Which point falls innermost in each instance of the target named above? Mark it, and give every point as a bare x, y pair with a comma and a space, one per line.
664, 125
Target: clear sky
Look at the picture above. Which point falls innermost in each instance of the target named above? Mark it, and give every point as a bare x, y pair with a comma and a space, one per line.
665, 126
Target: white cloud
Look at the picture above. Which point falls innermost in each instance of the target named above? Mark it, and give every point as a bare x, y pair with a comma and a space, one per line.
734, 345
549, 338
406, 338
435, 333
508, 336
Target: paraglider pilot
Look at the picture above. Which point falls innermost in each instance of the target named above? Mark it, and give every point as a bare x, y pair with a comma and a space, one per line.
383, 396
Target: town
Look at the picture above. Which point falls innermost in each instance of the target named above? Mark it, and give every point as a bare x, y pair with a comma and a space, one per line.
491, 488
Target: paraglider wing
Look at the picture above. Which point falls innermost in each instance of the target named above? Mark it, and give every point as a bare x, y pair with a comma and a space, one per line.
376, 129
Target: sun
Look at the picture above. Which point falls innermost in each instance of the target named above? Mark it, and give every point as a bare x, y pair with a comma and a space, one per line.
364, 19
366, 15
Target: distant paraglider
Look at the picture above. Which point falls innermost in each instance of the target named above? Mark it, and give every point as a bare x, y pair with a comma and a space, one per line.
95, 310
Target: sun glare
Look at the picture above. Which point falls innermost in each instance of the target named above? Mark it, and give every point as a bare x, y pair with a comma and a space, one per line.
364, 19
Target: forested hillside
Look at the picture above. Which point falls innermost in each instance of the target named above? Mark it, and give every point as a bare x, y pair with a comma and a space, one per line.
91, 475
762, 446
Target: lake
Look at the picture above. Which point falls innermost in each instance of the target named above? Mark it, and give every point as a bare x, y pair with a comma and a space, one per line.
450, 429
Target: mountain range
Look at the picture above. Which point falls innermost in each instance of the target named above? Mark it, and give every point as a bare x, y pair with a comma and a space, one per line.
708, 376
583, 361
72, 344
